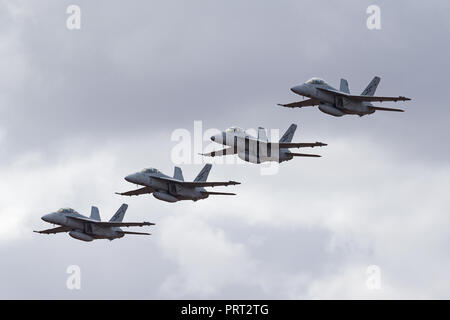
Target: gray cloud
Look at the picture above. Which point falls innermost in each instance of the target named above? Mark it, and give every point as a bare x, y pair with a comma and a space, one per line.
81, 109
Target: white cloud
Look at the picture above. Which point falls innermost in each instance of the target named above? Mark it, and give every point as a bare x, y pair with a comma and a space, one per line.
372, 211
207, 260
31, 188
350, 282
375, 211
378, 195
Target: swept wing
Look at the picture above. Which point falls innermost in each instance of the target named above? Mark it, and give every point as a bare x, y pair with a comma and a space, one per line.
137, 192
113, 224
54, 230
197, 183
364, 98
300, 104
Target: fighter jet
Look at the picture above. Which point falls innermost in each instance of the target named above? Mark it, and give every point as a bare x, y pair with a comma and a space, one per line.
340, 102
88, 229
174, 189
259, 149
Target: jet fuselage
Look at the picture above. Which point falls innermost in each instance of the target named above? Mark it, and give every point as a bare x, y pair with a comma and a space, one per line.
330, 103
166, 190
251, 149
83, 230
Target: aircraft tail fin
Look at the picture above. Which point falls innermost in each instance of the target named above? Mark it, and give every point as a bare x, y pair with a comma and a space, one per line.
344, 86
262, 135
178, 174
372, 87
95, 214
289, 134
203, 175
118, 216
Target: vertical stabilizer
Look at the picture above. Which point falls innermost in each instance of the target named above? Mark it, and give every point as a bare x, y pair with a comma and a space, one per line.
118, 216
178, 174
95, 214
203, 175
372, 87
262, 134
344, 86
289, 134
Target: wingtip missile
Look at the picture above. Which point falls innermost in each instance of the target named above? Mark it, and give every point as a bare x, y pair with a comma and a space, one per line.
321, 144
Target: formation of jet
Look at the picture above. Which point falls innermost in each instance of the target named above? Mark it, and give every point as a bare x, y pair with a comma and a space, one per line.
173, 189
340, 102
259, 149
248, 148
92, 228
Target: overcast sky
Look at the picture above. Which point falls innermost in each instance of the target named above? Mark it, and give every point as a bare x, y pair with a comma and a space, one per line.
81, 109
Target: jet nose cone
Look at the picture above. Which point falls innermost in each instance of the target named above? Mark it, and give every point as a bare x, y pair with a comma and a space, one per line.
133, 178
296, 89
47, 217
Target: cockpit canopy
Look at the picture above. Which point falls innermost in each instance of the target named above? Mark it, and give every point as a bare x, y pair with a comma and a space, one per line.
315, 81
234, 130
66, 210
150, 170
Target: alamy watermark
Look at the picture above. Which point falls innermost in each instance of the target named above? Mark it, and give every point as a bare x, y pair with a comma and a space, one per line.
73, 21
74, 280
192, 145
373, 281
374, 19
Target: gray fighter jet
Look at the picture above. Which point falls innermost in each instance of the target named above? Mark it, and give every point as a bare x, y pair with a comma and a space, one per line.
174, 189
88, 229
259, 149
340, 102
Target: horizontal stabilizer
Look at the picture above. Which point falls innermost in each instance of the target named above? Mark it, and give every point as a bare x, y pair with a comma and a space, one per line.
220, 193
304, 155
387, 109
137, 233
